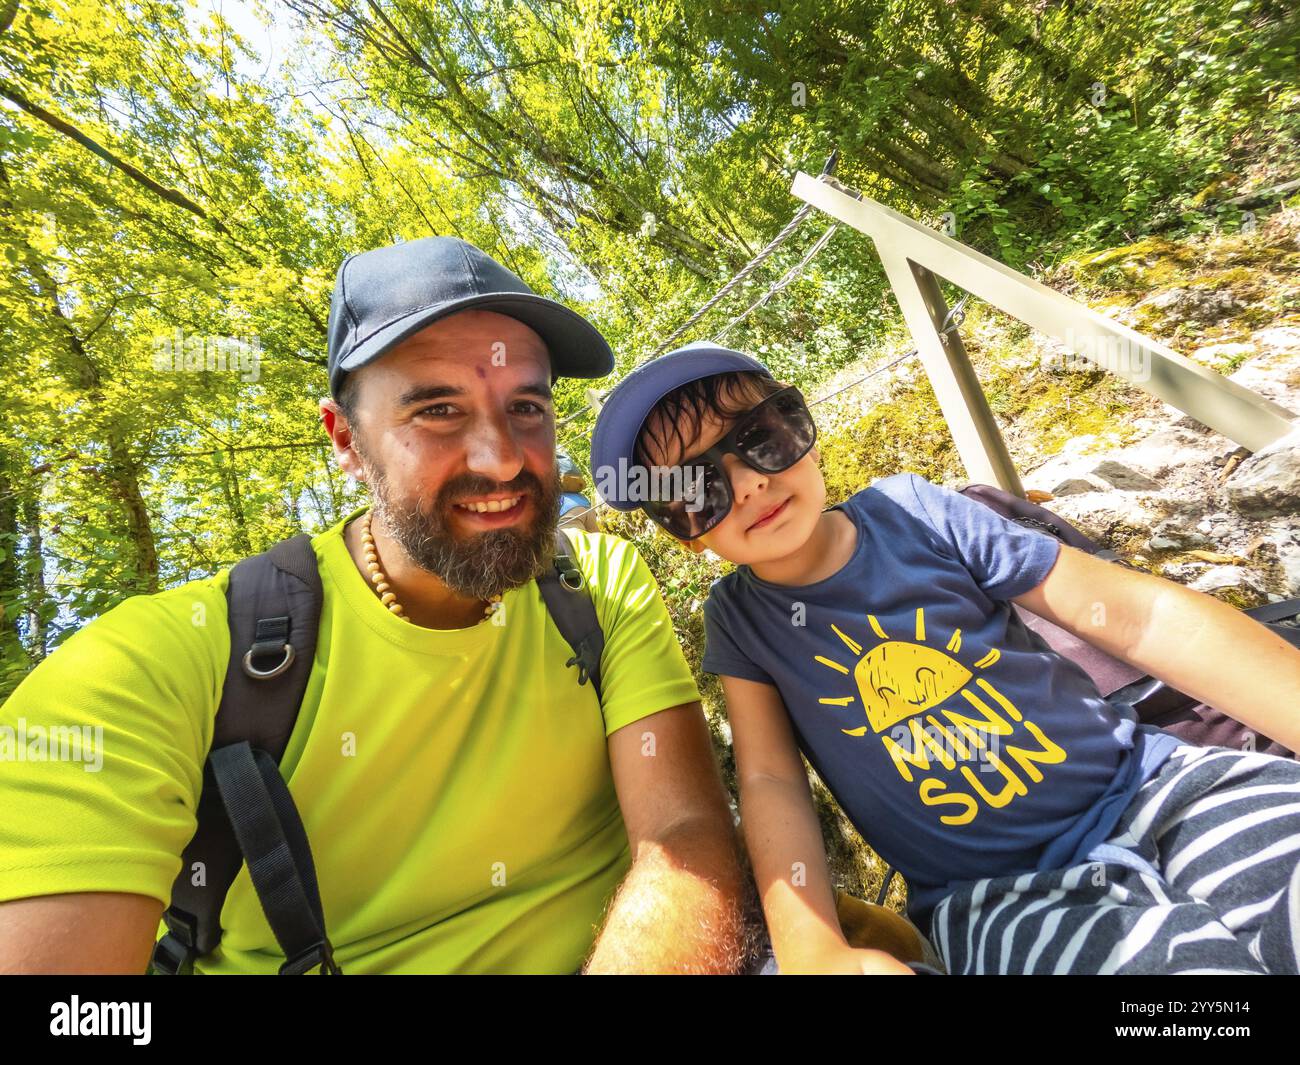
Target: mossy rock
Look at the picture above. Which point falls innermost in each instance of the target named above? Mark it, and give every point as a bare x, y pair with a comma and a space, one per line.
1221, 279
1241, 598
1149, 263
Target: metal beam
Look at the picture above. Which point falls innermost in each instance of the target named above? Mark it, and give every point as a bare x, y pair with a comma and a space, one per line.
962, 400
1243, 416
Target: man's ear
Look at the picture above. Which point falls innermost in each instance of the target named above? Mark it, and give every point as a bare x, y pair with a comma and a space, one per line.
340, 433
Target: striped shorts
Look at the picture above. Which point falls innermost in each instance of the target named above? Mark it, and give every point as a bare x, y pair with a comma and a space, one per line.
1201, 875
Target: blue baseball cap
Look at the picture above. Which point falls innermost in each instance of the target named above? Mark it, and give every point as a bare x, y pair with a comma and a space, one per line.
630, 402
383, 296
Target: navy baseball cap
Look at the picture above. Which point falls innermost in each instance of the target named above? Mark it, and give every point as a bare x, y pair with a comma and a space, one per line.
630, 402
381, 297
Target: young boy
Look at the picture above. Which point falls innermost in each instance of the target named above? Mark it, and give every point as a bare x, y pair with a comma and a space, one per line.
1040, 828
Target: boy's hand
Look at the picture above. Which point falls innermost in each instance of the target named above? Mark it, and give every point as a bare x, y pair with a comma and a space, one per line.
849, 961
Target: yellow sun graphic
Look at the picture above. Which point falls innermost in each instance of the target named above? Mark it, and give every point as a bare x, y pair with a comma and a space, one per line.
897, 679
902, 680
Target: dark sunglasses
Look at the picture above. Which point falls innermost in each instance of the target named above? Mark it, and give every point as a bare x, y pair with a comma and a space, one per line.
770, 438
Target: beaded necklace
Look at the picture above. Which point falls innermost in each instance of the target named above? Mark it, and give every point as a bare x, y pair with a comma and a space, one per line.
380, 581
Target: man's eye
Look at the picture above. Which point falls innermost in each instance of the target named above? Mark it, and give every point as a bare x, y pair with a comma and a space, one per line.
442, 410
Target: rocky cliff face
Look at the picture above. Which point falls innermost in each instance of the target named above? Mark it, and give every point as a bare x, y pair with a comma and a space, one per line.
1133, 472
1186, 501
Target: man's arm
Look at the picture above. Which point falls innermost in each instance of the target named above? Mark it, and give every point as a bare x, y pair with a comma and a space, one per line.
85, 932
90, 844
1190, 640
680, 909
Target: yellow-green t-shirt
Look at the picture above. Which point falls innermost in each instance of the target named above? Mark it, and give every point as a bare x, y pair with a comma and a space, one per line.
454, 784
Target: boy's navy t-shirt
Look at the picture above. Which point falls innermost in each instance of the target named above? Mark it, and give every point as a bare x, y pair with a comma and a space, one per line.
959, 744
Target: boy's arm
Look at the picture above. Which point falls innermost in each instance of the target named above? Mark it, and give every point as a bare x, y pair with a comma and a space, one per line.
785, 842
1190, 640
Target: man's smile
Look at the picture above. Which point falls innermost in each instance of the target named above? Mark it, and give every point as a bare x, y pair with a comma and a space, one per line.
492, 504
493, 512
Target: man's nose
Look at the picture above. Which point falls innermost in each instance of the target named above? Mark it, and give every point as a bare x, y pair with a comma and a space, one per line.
493, 451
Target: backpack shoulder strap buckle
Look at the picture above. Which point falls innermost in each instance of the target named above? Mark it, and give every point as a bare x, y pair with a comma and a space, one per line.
174, 954
321, 954
574, 615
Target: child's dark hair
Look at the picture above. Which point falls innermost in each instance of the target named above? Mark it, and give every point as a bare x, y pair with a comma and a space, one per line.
684, 409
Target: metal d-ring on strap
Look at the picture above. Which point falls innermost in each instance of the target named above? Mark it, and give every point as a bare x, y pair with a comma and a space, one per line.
280, 667
271, 636
569, 573
565, 575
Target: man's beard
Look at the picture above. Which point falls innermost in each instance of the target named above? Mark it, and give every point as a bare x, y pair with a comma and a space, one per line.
480, 565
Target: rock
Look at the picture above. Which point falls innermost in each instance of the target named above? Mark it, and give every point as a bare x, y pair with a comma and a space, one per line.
1289, 560
1274, 375
1182, 572
1162, 452
1281, 339
1268, 482
1217, 578
1173, 534
1070, 461
1197, 304
1119, 475
1075, 486
1106, 516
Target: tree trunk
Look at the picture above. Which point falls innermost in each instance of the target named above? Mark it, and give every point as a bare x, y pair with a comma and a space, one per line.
37, 604
82, 374
234, 502
12, 594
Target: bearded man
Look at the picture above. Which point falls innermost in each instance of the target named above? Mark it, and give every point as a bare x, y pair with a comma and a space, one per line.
470, 806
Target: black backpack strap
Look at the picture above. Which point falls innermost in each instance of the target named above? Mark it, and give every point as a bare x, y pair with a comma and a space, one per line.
883, 893
274, 605
1270, 612
564, 592
274, 844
